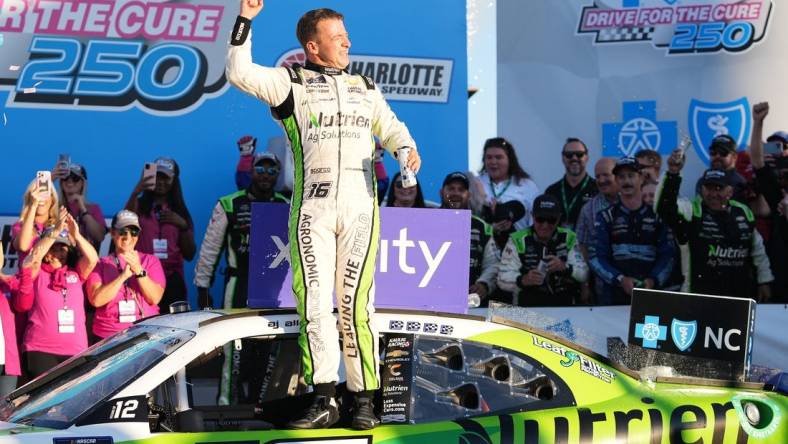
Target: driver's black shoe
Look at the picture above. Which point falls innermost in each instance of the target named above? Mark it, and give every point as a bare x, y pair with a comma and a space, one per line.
364, 414
322, 414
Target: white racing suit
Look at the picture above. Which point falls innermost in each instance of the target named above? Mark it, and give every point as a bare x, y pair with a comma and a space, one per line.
330, 118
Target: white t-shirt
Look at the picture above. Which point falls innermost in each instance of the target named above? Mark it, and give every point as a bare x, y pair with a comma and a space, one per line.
525, 191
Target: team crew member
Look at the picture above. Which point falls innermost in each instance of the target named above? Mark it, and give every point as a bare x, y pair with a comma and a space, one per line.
50, 288
229, 230
543, 261
633, 247
330, 118
455, 195
726, 253
576, 187
127, 285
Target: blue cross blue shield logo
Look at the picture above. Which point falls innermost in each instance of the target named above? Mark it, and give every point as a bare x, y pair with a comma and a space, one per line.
651, 332
683, 333
708, 120
638, 130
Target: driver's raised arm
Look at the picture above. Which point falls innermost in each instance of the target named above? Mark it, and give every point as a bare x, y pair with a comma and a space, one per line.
271, 85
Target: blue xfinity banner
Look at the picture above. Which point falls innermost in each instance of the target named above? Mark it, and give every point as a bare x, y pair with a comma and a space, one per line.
422, 259
115, 84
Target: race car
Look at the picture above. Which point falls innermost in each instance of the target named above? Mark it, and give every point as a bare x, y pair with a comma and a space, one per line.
235, 377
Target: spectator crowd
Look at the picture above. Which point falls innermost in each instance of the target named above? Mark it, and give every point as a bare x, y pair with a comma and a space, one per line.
585, 240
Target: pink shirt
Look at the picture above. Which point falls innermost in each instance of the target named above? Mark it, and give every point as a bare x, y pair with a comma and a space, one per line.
16, 229
151, 229
42, 333
7, 290
107, 319
94, 211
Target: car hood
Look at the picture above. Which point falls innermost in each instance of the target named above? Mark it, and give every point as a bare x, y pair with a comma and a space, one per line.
10, 428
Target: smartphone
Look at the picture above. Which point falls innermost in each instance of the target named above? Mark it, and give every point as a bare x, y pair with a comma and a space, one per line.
43, 185
774, 148
149, 170
63, 164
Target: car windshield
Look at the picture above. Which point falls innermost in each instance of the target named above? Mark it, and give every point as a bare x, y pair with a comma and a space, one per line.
62, 395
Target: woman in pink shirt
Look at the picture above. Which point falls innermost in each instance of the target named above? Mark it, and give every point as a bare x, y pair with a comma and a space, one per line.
73, 196
38, 211
9, 370
50, 288
167, 228
127, 285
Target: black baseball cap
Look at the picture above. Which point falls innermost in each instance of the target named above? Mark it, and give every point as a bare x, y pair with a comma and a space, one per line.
715, 177
723, 142
548, 206
779, 136
627, 162
457, 176
512, 210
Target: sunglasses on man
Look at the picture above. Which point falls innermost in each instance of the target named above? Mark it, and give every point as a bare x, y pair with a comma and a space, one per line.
575, 154
546, 220
271, 171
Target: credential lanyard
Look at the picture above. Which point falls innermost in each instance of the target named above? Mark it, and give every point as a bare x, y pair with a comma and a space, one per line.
497, 195
568, 207
126, 288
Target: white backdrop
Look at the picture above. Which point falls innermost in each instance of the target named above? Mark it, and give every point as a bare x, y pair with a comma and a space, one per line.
554, 82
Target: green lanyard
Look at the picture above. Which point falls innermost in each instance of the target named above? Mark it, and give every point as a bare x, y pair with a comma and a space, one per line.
568, 208
497, 195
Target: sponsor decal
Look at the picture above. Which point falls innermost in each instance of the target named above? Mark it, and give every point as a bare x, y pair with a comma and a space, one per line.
639, 130
586, 365
160, 57
398, 78
332, 440
395, 380
426, 327
651, 332
683, 333
708, 120
702, 27
85, 440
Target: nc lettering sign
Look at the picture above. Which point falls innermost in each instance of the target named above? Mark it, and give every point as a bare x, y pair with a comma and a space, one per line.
693, 326
422, 259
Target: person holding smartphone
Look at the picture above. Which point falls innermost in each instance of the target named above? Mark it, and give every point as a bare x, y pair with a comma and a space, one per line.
167, 230
39, 210
127, 285
50, 289
73, 196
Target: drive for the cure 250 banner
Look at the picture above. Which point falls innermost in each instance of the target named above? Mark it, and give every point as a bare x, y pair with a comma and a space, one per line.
422, 259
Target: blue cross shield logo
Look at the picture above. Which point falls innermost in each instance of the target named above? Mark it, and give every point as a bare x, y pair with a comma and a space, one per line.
708, 120
638, 130
683, 333
651, 332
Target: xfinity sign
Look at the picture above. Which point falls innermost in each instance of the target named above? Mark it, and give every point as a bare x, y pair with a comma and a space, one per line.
423, 259
699, 335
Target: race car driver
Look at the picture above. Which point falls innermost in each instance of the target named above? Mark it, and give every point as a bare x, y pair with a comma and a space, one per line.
330, 118
726, 253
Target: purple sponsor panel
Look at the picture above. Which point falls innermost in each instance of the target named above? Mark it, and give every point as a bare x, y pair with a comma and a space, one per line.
422, 259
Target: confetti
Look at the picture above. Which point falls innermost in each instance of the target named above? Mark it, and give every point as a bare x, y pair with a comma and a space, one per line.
13, 68
38, 83
29, 90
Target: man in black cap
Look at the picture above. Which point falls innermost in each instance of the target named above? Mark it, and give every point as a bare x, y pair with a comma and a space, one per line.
726, 253
543, 261
722, 152
485, 255
633, 247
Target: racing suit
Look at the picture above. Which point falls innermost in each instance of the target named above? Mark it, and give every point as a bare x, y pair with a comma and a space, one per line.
726, 253
484, 257
634, 243
330, 118
523, 253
